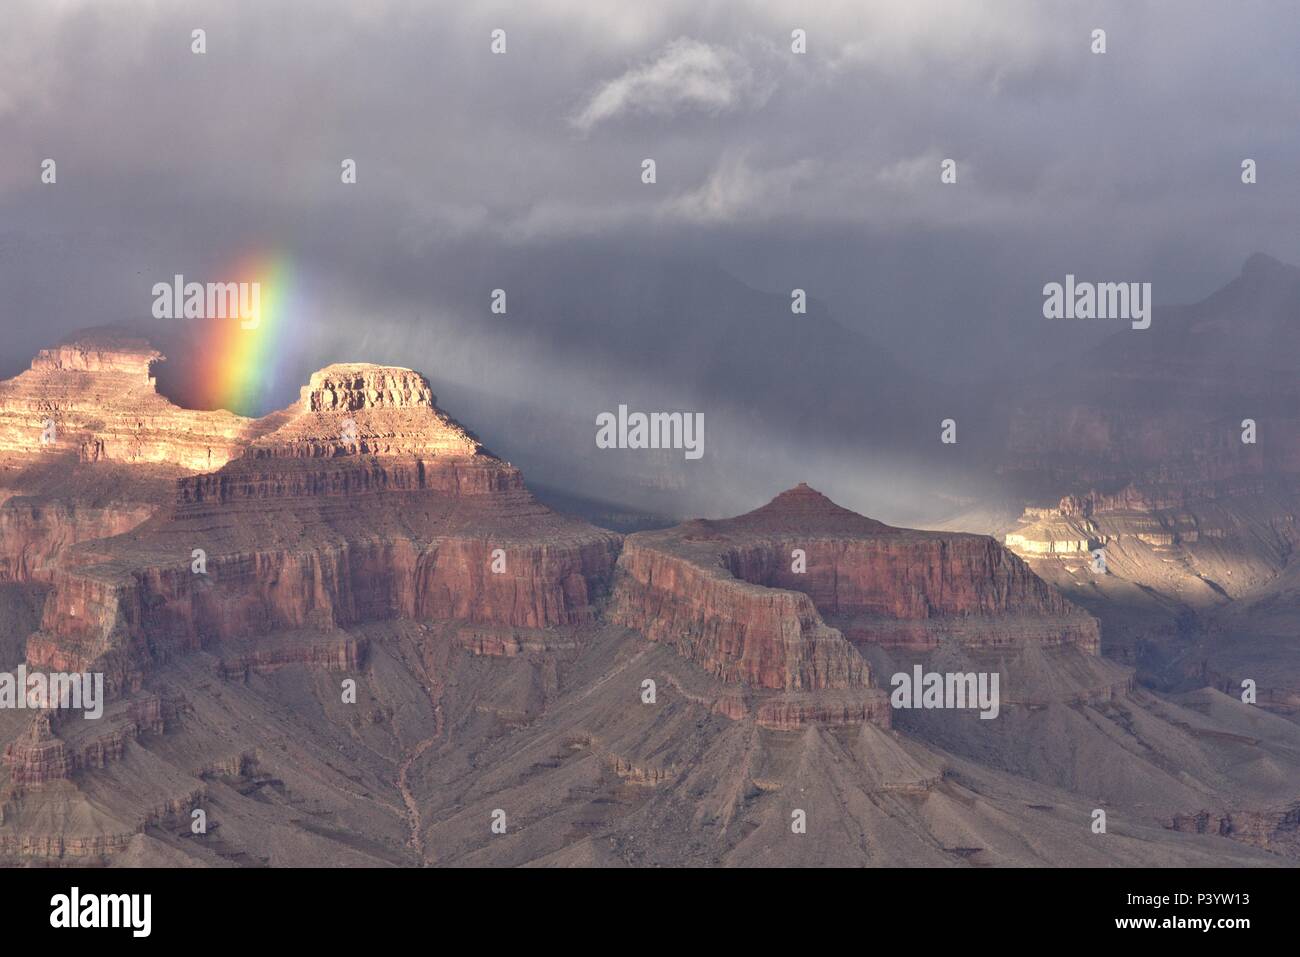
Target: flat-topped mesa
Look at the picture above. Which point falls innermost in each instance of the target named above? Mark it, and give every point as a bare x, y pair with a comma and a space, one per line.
129, 357
1039, 535
358, 428
366, 503
753, 598
88, 448
93, 398
1193, 544
350, 387
360, 409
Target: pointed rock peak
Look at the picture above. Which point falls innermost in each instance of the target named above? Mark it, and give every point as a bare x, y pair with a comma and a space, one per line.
804, 498
1260, 266
804, 508
801, 495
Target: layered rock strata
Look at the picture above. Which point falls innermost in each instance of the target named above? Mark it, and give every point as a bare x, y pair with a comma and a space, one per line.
90, 449
777, 598
765, 597
367, 503
99, 395
39, 756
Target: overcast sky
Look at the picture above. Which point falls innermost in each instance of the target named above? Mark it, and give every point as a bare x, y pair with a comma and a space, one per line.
821, 167
818, 170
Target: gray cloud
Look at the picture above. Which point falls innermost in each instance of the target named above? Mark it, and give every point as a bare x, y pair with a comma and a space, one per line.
818, 171
550, 136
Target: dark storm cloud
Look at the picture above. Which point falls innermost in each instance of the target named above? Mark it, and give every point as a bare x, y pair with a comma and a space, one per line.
1125, 161
818, 171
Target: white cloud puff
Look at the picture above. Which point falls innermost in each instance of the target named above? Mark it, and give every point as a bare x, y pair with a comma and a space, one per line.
686, 75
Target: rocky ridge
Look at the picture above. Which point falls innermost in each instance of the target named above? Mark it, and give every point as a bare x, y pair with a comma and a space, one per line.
358, 534
367, 503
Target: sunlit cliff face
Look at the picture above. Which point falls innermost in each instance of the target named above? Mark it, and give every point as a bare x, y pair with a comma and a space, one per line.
876, 434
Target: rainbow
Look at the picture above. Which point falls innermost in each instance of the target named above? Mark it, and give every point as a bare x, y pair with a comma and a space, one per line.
238, 366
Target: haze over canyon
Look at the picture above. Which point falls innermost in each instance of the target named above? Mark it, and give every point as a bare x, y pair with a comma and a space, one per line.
347, 632
675, 434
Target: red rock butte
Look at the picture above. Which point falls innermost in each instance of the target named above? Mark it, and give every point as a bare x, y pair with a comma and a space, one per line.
364, 502
89, 449
99, 393
736, 596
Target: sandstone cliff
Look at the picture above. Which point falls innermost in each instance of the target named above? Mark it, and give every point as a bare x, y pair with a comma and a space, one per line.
770, 597
367, 503
99, 393
89, 449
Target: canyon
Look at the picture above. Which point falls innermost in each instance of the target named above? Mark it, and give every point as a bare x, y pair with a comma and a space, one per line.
350, 634
1194, 501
